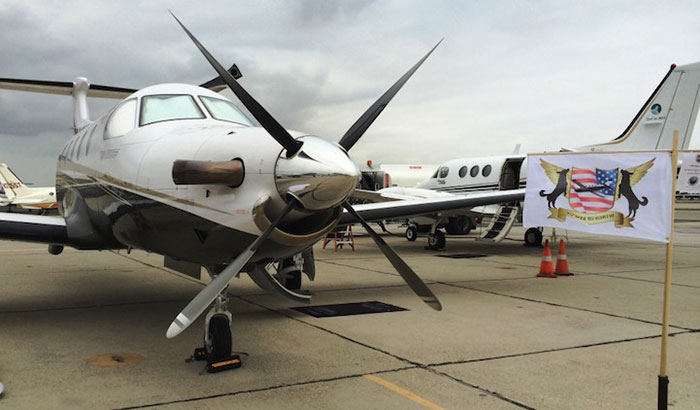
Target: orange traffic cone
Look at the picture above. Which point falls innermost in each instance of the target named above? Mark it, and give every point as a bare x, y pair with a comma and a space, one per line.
546, 266
562, 264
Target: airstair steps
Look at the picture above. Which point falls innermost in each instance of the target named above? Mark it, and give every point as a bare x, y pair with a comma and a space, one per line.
501, 223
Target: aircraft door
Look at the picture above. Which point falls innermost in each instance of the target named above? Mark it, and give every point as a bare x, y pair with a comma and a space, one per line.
373, 180
510, 174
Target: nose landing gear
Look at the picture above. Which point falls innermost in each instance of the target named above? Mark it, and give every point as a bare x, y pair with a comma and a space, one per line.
217, 338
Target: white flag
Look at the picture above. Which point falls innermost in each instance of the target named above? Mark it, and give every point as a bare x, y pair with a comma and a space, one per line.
626, 194
689, 177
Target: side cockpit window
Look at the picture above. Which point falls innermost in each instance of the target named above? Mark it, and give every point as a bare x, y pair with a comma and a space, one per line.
168, 107
444, 171
122, 119
223, 110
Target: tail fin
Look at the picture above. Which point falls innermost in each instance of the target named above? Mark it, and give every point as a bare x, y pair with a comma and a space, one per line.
672, 106
11, 184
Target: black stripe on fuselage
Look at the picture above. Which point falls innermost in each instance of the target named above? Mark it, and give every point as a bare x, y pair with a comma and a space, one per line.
472, 188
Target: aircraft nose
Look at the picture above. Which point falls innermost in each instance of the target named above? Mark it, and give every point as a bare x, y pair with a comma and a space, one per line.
320, 176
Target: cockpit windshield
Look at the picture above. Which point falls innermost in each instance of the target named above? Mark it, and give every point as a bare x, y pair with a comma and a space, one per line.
168, 107
224, 111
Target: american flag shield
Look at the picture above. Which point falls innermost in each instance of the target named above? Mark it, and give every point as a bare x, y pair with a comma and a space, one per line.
592, 190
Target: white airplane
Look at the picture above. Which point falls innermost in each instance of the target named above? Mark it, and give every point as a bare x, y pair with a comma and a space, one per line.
179, 170
672, 106
18, 194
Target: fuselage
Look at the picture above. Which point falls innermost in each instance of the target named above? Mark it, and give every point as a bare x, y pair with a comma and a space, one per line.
464, 175
115, 184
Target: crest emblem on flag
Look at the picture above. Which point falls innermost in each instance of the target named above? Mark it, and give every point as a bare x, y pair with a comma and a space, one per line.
592, 193
592, 190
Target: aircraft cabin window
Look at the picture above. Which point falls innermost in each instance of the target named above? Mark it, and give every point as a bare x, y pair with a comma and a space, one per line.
168, 107
463, 171
486, 171
444, 171
122, 120
223, 110
475, 171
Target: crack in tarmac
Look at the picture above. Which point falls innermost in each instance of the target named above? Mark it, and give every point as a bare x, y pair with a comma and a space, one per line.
562, 306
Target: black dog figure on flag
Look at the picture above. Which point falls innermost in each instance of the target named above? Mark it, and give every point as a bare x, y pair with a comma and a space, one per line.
560, 188
625, 190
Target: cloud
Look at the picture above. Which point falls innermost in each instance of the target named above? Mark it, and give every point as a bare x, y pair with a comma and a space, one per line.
543, 74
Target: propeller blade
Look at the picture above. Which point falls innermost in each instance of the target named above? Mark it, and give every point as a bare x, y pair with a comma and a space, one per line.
207, 295
266, 120
360, 126
408, 275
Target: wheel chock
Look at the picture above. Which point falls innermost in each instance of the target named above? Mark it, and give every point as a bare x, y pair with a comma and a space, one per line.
231, 362
200, 353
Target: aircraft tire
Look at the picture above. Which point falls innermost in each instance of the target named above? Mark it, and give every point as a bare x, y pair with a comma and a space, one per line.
220, 336
55, 249
291, 278
436, 240
458, 225
293, 283
411, 233
533, 237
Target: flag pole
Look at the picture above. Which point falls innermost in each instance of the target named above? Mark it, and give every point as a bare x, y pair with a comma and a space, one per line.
663, 377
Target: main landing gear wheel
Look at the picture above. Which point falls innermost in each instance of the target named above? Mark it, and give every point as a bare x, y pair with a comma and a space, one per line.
533, 237
293, 280
436, 240
289, 275
458, 225
411, 233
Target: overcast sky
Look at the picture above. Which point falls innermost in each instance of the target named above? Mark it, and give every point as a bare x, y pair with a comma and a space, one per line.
541, 74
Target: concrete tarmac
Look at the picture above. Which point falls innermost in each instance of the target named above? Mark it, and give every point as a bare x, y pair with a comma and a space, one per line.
87, 330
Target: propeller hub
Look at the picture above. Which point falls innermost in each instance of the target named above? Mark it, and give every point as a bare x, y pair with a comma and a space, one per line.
320, 176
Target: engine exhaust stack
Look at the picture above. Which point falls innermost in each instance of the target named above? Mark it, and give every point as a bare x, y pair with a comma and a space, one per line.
230, 173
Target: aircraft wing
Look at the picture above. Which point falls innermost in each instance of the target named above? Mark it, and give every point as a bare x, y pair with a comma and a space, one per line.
413, 207
95, 90
398, 193
33, 228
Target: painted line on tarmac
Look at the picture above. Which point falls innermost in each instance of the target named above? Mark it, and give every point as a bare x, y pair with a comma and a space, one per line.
403, 392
